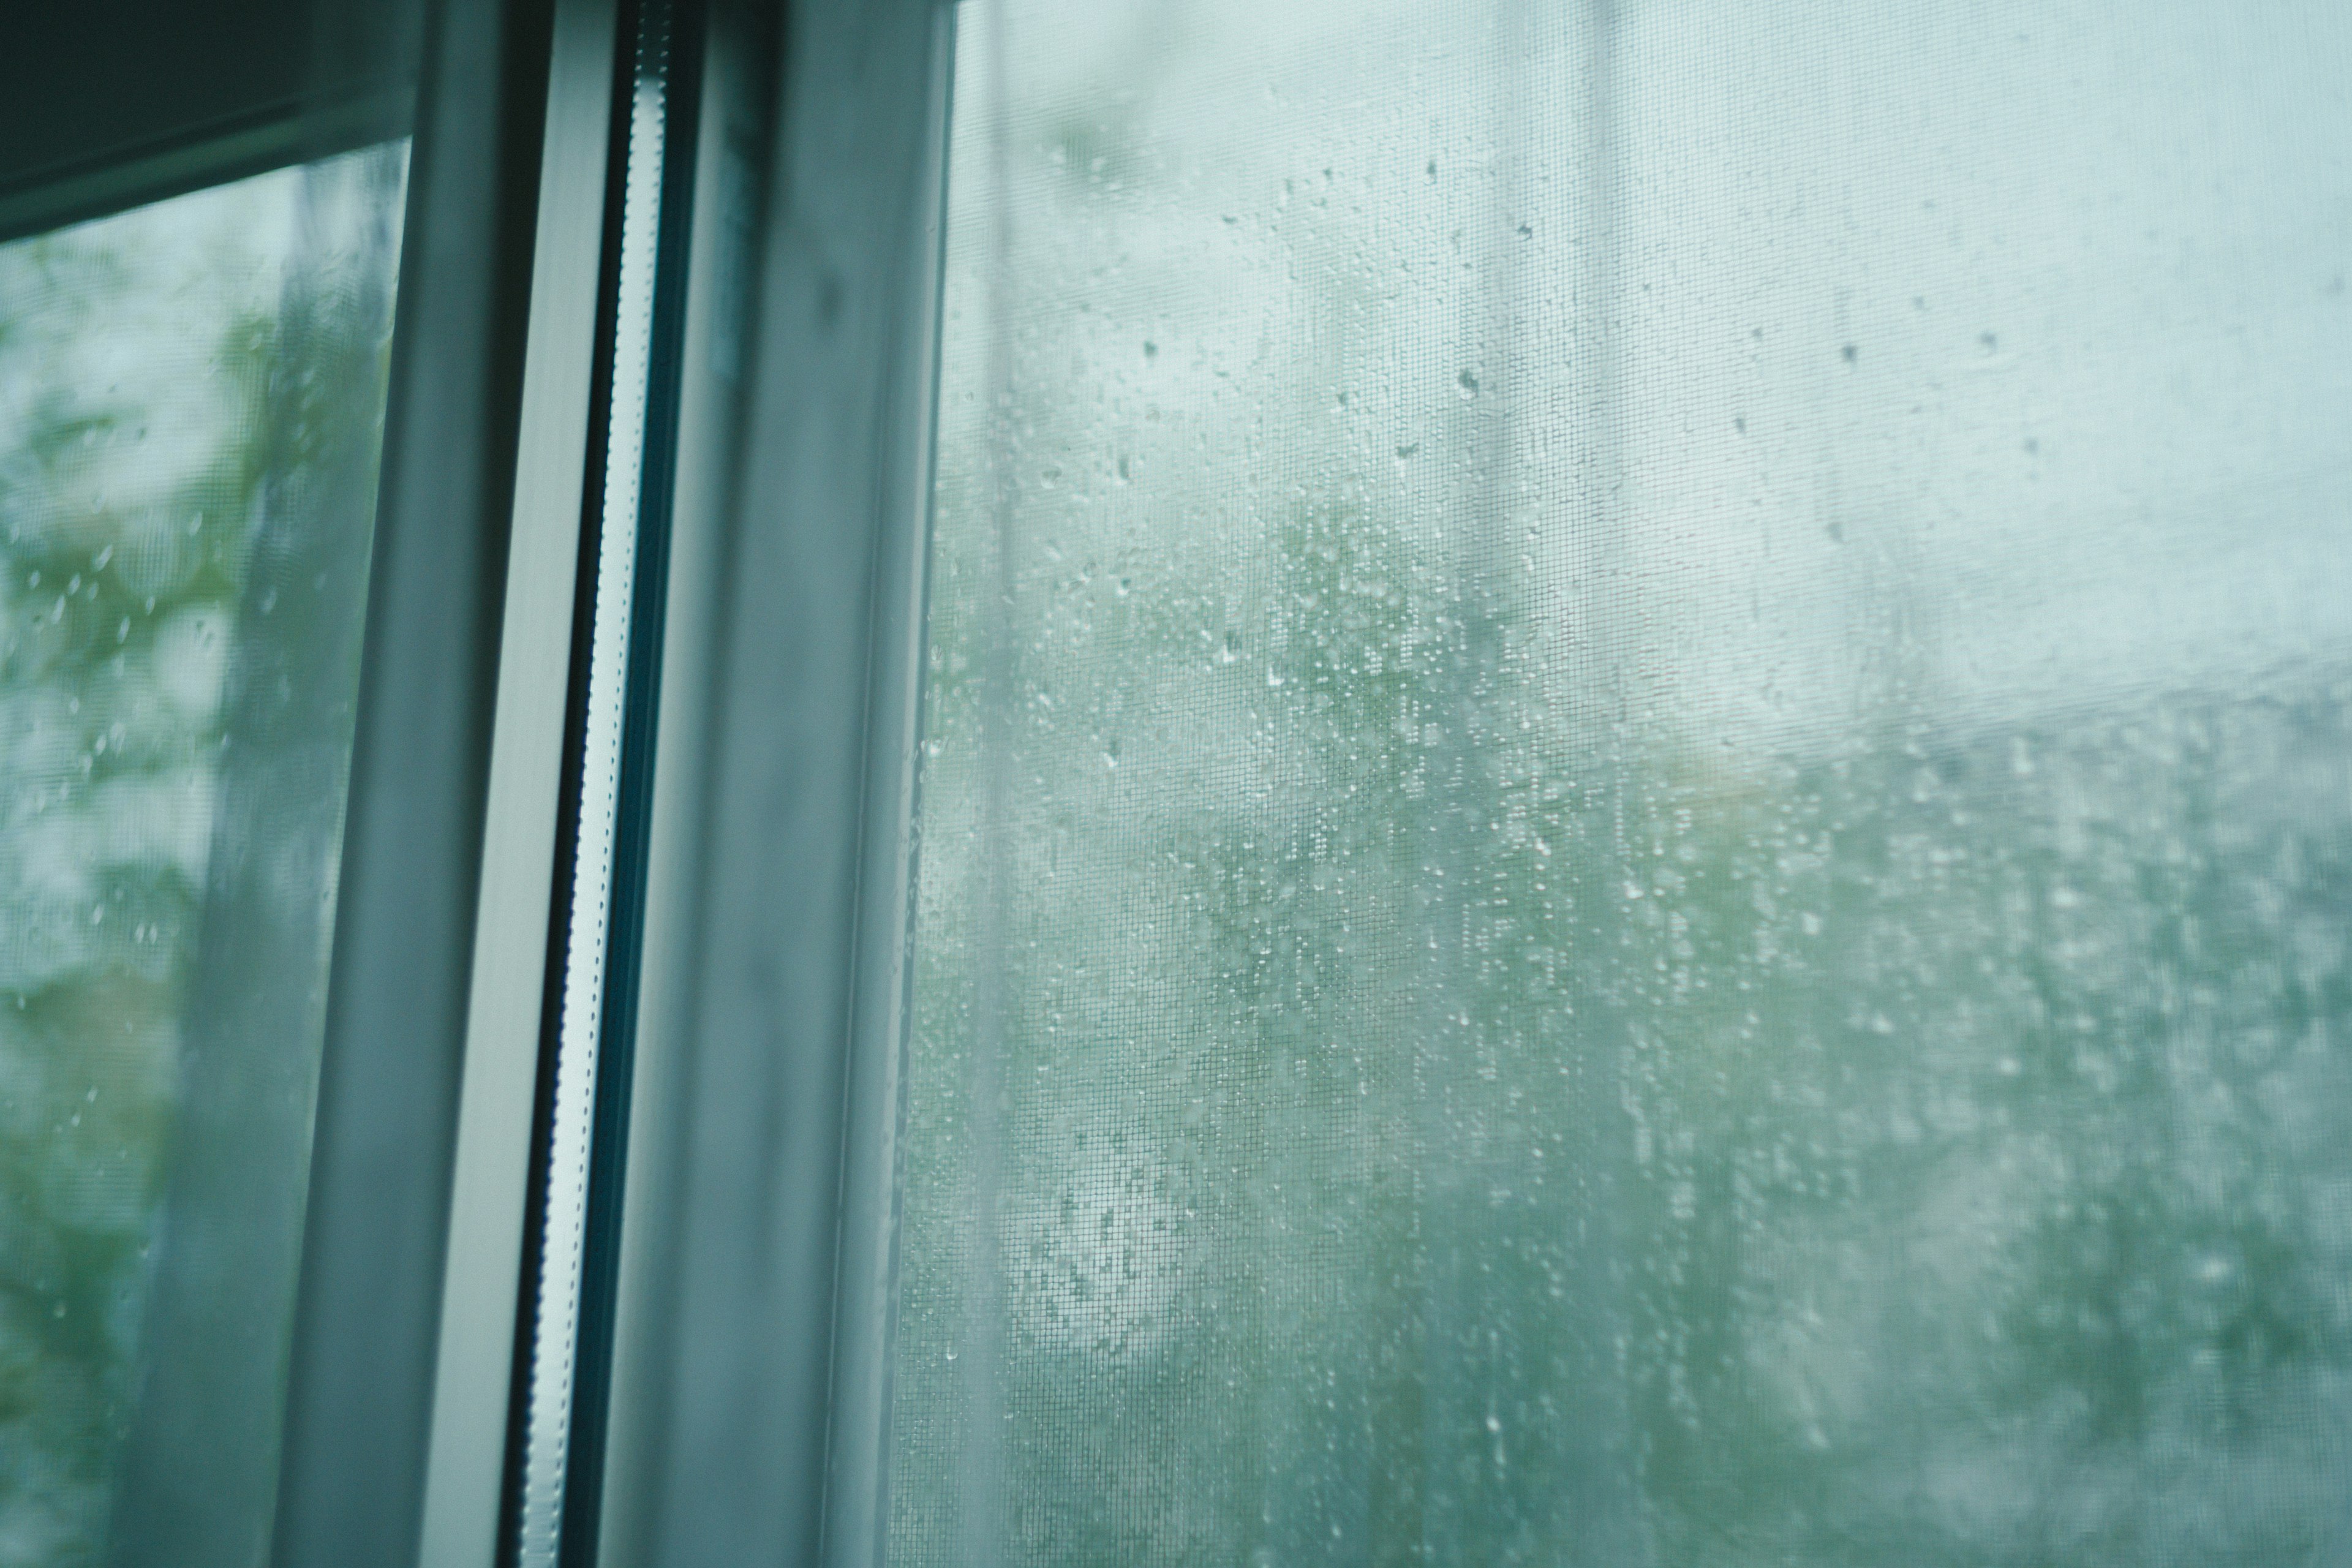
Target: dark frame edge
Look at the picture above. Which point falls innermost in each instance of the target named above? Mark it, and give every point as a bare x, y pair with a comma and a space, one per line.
208, 155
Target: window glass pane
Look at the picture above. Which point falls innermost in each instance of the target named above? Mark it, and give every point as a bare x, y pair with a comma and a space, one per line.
1636, 828
190, 403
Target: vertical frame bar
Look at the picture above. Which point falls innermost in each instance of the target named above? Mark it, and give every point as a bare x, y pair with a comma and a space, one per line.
735, 115
369, 1314
474, 1370
867, 1285
764, 1374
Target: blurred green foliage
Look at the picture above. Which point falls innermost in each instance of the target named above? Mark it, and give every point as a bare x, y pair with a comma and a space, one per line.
159, 406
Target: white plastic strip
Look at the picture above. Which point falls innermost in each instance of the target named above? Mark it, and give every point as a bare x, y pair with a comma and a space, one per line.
548, 1427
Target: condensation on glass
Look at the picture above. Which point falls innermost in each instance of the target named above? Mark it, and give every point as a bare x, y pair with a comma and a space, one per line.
1636, 809
191, 407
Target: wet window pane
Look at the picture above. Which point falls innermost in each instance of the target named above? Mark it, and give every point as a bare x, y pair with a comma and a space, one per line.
190, 404
1636, 815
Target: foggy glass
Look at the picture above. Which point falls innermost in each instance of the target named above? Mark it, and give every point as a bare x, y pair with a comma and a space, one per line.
191, 404
1635, 831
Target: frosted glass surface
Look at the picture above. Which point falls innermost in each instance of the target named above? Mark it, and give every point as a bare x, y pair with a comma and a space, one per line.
1636, 813
188, 394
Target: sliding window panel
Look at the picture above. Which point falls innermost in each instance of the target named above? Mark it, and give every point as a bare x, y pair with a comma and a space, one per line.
280, 692
279, 559
1600, 814
1637, 796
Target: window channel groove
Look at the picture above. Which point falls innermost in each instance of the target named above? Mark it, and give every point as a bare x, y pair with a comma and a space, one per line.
585, 1112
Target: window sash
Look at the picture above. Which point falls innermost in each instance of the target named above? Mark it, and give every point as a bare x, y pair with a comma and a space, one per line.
751, 1363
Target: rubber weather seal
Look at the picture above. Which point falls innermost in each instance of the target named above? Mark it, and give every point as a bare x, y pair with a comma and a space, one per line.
557, 1445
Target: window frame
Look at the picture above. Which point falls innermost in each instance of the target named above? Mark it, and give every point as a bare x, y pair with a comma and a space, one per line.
481, 1314
484, 435
752, 1373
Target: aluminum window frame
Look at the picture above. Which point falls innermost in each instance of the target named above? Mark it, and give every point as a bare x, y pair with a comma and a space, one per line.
760, 1268
484, 451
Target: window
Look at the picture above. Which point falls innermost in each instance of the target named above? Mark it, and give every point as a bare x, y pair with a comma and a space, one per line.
1075, 781
1636, 802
